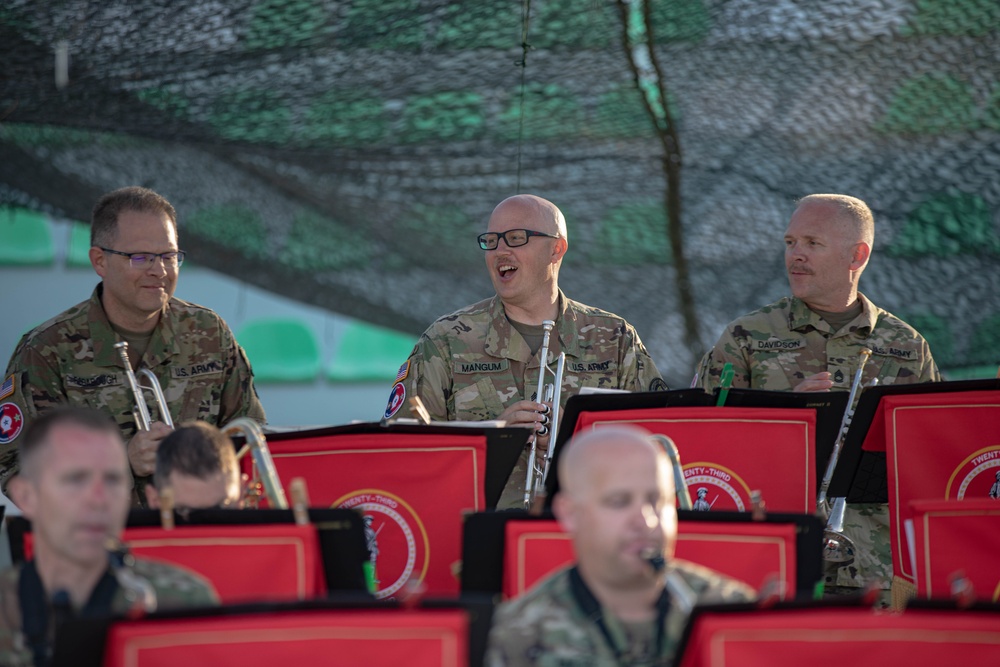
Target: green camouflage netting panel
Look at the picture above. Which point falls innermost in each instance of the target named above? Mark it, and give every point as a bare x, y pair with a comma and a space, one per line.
346, 153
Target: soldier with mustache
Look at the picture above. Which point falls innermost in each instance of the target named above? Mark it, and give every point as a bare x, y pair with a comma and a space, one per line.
811, 340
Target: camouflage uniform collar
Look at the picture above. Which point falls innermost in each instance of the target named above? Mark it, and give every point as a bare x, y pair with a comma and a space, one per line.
162, 344
504, 341
800, 317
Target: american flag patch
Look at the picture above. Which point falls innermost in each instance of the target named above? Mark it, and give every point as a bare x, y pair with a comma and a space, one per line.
7, 388
404, 370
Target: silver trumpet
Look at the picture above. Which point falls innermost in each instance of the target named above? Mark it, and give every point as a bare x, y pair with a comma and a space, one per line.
837, 547
546, 393
141, 409
263, 466
680, 486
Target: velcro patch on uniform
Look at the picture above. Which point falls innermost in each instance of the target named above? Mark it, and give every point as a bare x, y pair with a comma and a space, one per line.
194, 370
773, 344
474, 367
94, 382
7, 388
592, 366
396, 398
11, 422
896, 352
404, 370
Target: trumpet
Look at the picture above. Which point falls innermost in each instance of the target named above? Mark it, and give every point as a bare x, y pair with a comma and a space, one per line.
546, 393
141, 409
680, 486
837, 547
256, 445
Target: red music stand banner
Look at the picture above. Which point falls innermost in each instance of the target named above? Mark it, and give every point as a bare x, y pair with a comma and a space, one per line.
754, 553
243, 562
374, 638
411, 488
728, 452
854, 636
938, 446
957, 537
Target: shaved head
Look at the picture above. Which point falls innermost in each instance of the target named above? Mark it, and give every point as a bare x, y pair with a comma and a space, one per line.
539, 214
591, 453
851, 212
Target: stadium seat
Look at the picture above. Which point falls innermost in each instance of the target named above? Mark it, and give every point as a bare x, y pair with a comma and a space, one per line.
367, 353
78, 255
280, 350
25, 239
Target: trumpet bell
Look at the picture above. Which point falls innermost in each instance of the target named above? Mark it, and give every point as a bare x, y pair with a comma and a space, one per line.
837, 548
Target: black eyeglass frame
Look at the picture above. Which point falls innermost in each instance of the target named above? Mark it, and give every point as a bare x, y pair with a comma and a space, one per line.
528, 233
162, 256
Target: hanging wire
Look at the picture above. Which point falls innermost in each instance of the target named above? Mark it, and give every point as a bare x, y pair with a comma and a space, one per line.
523, 64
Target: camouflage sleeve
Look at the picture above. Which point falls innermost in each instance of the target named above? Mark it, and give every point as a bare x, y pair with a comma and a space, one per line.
36, 385
429, 377
727, 350
639, 373
510, 643
176, 587
239, 395
13, 649
929, 371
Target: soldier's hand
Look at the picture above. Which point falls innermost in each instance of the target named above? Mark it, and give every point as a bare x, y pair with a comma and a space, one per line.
142, 448
527, 414
817, 382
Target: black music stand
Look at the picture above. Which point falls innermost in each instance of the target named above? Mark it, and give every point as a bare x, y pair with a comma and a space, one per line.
829, 407
503, 445
484, 537
81, 642
861, 476
340, 534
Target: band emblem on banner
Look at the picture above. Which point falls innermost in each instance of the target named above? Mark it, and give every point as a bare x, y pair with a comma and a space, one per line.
977, 477
715, 487
395, 536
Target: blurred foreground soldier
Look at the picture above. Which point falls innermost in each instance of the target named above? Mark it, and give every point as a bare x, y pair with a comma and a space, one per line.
74, 487
71, 358
481, 362
627, 600
198, 463
811, 341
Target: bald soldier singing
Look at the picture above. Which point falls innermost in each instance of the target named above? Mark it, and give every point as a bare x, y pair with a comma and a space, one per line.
482, 362
627, 599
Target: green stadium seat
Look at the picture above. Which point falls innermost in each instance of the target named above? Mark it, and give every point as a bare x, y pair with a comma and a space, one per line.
25, 238
280, 350
79, 246
367, 353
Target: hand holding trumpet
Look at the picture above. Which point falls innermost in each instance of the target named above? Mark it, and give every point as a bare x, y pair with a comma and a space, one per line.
142, 448
528, 414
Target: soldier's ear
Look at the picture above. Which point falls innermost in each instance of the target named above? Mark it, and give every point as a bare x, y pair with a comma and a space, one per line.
22, 493
559, 248
562, 508
98, 260
859, 255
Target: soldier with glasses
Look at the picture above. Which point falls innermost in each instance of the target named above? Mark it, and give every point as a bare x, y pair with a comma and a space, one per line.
481, 362
71, 359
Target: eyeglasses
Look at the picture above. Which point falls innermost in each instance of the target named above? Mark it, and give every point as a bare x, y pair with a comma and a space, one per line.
142, 260
512, 237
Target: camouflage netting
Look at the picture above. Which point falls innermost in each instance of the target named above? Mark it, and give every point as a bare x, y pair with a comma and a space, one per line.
346, 153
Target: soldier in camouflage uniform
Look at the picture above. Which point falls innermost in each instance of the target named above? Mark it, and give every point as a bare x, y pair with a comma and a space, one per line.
619, 605
811, 342
481, 362
204, 373
74, 487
